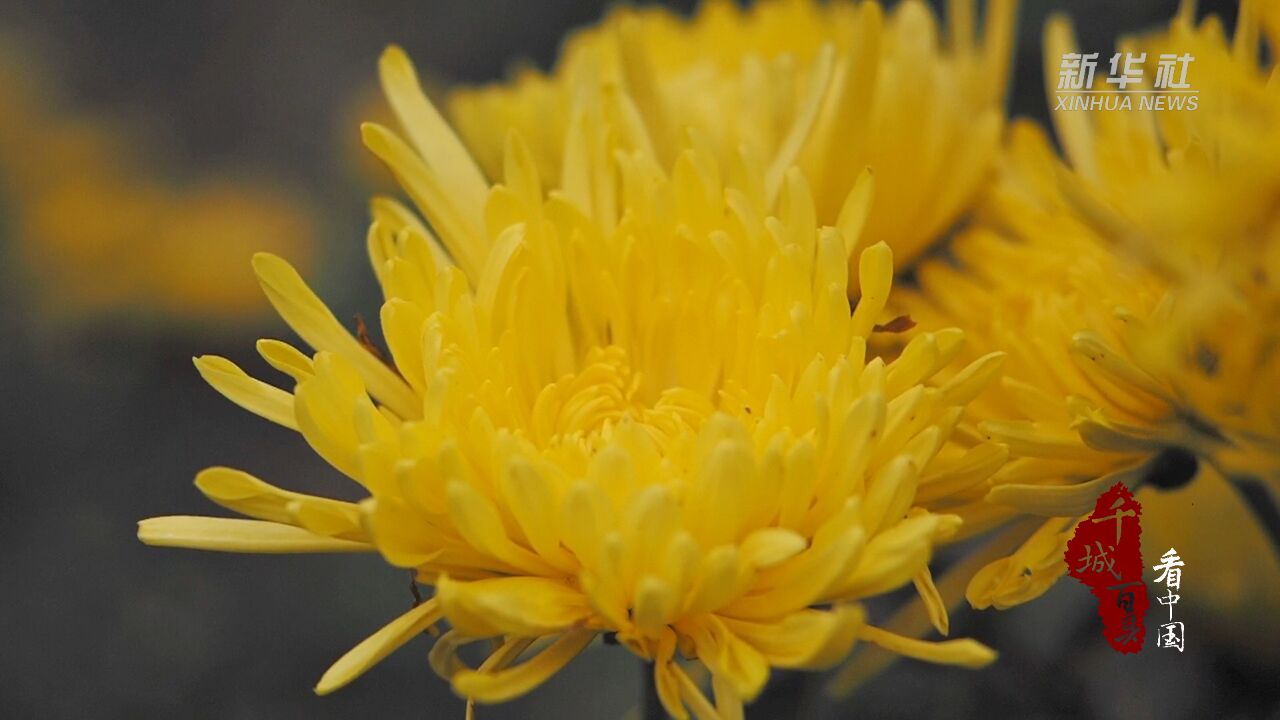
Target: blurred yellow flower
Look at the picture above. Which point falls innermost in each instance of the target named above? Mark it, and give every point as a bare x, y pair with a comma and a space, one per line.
1195, 197
1035, 282
1136, 292
637, 404
829, 87
97, 228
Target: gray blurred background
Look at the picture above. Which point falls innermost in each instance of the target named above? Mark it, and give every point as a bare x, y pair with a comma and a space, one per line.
104, 421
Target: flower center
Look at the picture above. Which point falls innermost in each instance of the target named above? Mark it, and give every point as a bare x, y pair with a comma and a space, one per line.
586, 406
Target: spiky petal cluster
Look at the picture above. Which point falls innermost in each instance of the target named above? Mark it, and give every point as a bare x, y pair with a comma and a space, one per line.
831, 87
638, 404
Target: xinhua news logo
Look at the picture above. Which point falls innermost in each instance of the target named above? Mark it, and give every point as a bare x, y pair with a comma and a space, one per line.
1125, 87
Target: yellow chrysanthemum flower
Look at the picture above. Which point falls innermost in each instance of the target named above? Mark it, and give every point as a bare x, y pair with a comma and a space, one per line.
637, 404
830, 87
1135, 294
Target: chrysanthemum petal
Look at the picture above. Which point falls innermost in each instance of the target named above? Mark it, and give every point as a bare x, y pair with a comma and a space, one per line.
793, 143
875, 273
1074, 129
503, 685
520, 605
973, 379
1027, 573
253, 395
728, 700
965, 653
377, 646
717, 582
854, 212
314, 323
286, 358
1095, 349
235, 535
1061, 500
894, 556
691, 696
973, 467
477, 520
768, 547
928, 592
1032, 439
461, 233
807, 639
402, 324
727, 655
804, 580
431, 135
239, 491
